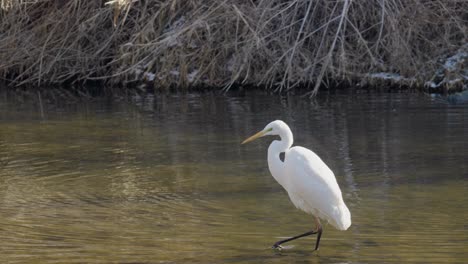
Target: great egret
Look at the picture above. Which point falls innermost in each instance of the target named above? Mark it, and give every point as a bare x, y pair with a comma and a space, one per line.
310, 184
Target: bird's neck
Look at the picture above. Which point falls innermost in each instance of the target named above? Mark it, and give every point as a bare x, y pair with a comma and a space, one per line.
282, 145
286, 140
275, 164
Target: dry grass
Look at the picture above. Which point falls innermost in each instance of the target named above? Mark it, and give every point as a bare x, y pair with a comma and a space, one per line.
274, 43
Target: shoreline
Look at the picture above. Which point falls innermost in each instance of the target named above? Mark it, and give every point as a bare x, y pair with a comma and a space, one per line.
279, 46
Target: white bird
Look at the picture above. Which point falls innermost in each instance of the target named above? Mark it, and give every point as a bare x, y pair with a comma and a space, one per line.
310, 184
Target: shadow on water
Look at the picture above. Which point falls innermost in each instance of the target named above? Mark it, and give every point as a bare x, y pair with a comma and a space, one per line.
163, 178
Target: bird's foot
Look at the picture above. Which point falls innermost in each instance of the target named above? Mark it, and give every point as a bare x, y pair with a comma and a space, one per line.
277, 246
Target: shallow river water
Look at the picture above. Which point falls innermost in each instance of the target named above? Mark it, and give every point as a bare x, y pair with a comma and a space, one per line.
164, 179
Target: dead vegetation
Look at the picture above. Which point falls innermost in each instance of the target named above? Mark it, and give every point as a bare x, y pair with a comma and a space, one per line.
277, 44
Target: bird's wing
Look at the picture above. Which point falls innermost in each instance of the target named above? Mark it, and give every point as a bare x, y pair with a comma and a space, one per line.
311, 183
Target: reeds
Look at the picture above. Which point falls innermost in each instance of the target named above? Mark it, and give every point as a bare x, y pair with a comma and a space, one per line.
277, 44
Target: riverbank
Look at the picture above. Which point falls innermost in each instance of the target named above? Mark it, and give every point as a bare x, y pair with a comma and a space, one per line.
276, 45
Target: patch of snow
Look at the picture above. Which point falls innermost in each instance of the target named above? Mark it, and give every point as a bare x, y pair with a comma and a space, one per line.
193, 45
172, 41
138, 71
453, 72
150, 76
386, 76
191, 76
390, 76
230, 64
172, 34
452, 62
178, 23
174, 73
431, 84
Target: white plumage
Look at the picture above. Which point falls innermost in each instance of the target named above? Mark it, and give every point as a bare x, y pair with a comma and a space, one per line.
313, 187
310, 184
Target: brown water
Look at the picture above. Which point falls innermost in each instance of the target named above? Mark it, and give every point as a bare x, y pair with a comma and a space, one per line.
164, 179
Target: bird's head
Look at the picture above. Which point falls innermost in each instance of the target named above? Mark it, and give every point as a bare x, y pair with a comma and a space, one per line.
272, 129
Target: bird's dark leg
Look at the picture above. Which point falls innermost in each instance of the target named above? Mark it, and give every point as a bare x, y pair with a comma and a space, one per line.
317, 231
278, 244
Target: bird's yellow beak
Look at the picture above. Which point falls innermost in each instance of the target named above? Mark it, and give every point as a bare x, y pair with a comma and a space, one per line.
254, 137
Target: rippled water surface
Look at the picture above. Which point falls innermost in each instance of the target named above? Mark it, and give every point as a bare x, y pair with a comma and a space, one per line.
163, 179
